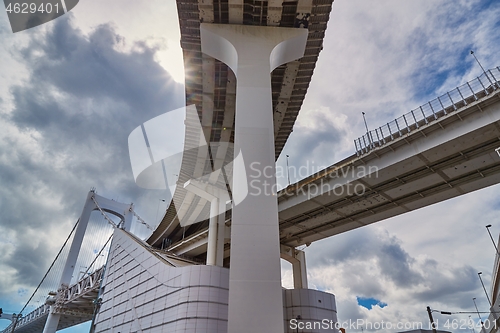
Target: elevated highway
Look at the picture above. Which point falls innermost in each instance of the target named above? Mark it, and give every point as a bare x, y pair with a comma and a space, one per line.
211, 86
438, 151
419, 159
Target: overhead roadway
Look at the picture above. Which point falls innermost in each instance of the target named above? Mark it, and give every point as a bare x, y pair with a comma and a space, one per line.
450, 152
439, 159
451, 156
448, 155
211, 86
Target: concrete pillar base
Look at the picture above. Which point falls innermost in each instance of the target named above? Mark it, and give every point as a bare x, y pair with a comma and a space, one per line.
252, 52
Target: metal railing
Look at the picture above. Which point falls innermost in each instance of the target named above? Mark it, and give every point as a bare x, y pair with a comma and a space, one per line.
453, 100
87, 283
38, 312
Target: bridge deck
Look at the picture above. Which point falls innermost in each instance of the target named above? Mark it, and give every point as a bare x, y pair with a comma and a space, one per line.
449, 154
211, 86
446, 155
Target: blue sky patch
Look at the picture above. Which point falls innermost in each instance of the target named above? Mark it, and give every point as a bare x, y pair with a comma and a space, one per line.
369, 302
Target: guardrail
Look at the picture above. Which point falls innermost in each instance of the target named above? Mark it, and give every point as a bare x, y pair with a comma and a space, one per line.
38, 312
453, 100
87, 283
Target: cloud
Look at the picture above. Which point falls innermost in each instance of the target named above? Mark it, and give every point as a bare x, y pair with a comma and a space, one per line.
69, 98
371, 263
374, 253
395, 263
385, 58
64, 130
312, 150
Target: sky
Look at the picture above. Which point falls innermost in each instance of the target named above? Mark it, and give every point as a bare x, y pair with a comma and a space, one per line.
72, 90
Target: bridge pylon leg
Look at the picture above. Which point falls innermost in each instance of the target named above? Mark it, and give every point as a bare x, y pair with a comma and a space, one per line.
124, 211
299, 270
298, 260
218, 198
221, 230
69, 267
52, 322
252, 52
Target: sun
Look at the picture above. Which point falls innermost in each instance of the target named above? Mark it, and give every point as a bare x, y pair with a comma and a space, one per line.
171, 60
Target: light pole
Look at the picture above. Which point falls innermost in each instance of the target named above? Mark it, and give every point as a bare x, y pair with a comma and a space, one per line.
158, 209
288, 169
481, 319
471, 322
367, 131
480, 279
472, 52
433, 325
496, 248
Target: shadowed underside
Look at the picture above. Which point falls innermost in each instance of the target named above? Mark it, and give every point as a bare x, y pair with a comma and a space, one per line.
211, 86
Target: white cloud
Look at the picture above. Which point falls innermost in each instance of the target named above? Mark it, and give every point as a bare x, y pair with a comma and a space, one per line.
380, 57
155, 22
386, 58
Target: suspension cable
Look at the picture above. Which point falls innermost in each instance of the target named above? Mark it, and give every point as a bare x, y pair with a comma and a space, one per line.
141, 220
53, 262
114, 224
104, 214
98, 254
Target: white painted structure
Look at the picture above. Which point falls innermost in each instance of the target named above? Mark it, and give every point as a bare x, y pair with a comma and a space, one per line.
460, 151
491, 322
253, 52
447, 154
148, 290
255, 257
93, 202
8, 316
216, 231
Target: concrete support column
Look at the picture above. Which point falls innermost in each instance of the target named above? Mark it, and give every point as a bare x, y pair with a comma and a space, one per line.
221, 230
218, 198
298, 260
52, 322
252, 52
299, 270
212, 232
